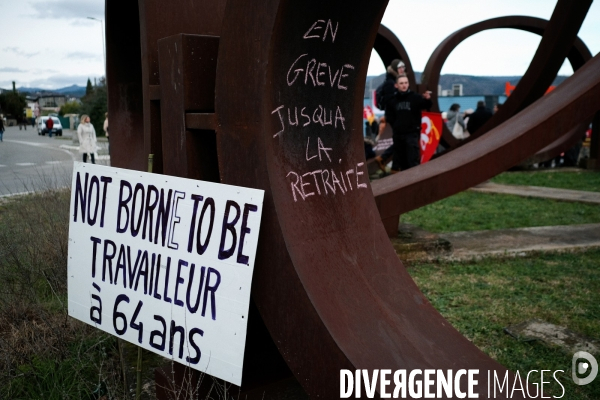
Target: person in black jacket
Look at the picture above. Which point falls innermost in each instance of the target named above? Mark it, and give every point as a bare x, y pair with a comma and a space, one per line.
479, 117
403, 113
396, 68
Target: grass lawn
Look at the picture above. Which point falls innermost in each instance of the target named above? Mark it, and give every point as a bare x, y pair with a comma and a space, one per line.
480, 298
47, 354
581, 180
470, 211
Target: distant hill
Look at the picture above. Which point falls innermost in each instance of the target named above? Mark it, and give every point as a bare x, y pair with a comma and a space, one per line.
30, 90
71, 91
472, 85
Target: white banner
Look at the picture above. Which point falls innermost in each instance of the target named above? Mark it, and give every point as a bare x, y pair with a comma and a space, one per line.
165, 263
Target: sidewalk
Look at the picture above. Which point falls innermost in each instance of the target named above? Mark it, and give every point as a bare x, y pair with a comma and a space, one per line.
542, 192
71, 144
414, 243
475, 244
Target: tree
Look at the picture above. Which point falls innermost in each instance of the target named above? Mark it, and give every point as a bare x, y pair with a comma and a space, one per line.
89, 89
12, 104
95, 105
71, 107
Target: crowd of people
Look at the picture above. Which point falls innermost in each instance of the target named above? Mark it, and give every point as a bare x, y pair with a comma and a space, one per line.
403, 108
462, 125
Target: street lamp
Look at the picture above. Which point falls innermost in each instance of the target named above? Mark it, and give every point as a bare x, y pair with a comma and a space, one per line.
103, 47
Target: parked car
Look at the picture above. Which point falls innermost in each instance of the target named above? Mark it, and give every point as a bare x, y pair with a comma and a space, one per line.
56, 129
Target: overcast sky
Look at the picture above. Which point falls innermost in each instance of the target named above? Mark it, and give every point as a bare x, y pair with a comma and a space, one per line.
51, 43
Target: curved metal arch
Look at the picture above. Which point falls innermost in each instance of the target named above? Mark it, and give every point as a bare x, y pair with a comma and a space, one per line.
577, 56
389, 47
392, 194
538, 125
353, 307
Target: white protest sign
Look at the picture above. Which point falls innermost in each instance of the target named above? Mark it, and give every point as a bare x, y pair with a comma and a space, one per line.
165, 263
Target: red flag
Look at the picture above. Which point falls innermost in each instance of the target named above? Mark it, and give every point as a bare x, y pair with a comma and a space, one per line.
431, 131
368, 114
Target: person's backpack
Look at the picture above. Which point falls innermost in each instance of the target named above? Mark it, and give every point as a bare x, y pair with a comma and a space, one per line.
379, 98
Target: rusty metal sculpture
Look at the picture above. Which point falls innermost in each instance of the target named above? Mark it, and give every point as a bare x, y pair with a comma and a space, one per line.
557, 43
578, 55
328, 285
388, 46
541, 124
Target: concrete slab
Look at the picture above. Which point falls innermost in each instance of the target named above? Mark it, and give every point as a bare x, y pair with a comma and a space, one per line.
477, 244
552, 335
561, 169
414, 243
541, 192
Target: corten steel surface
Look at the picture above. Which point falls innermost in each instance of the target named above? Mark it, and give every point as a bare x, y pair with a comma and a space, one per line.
559, 146
329, 286
124, 80
160, 19
557, 41
133, 29
538, 80
134, 32
327, 283
187, 62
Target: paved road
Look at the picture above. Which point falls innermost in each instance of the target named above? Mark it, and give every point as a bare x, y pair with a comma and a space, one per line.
29, 162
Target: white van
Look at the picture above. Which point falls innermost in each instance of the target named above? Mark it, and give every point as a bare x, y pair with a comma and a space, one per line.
56, 129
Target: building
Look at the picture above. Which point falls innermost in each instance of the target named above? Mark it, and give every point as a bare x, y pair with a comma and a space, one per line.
51, 100
457, 90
